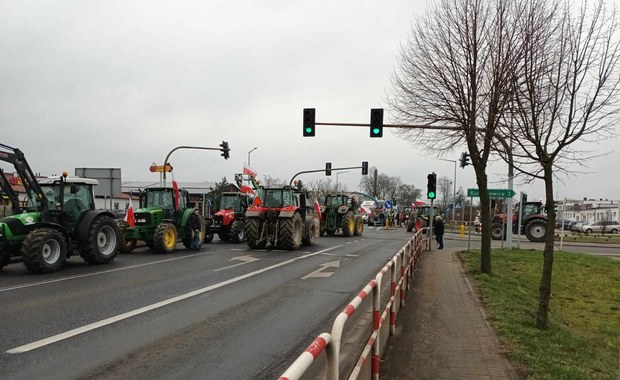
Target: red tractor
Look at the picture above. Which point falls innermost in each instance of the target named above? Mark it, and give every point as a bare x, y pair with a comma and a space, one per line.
533, 222
282, 217
228, 222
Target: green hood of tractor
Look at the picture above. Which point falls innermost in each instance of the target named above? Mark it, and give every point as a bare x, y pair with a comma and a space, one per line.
12, 226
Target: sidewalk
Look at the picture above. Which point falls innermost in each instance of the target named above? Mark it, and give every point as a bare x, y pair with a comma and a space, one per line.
442, 332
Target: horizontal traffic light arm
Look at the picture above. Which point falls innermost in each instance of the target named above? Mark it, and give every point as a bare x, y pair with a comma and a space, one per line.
321, 170
185, 147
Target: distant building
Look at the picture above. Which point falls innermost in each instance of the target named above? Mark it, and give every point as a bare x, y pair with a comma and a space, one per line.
589, 211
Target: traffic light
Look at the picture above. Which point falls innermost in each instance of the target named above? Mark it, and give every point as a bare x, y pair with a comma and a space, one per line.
376, 122
464, 160
309, 120
225, 149
431, 186
364, 167
328, 168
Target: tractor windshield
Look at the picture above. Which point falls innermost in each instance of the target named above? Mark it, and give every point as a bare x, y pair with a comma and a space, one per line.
160, 198
333, 202
52, 195
230, 202
277, 197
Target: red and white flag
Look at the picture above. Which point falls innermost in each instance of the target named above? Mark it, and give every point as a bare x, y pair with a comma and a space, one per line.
317, 208
175, 192
129, 218
246, 189
247, 169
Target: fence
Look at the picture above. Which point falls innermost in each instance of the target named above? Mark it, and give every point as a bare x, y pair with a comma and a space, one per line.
401, 267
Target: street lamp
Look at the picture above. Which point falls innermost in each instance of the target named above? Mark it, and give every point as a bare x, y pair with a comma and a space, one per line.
454, 193
253, 149
337, 174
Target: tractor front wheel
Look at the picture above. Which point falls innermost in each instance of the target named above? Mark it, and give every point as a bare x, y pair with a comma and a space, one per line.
348, 224
310, 234
496, 231
125, 245
359, 226
44, 250
536, 230
165, 238
237, 233
102, 242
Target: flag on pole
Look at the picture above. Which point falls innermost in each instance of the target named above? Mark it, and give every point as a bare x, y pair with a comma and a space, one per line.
246, 189
175, 193
317, 208
129, 218
247, 169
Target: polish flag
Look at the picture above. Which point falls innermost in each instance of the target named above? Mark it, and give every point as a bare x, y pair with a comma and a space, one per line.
365, 210
246, 189
247, 169
129, 218
317, 208
175, 192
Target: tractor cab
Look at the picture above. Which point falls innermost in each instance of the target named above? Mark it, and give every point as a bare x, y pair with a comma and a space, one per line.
159, 202
278, 197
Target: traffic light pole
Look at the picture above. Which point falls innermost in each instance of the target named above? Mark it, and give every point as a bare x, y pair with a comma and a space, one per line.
182, 147
321, 170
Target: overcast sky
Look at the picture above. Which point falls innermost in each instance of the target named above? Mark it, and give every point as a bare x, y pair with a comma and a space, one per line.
120, 83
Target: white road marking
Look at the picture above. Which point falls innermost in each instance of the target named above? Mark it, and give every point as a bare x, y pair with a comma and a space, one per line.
108, 321
243, 259
319, 272
97, 273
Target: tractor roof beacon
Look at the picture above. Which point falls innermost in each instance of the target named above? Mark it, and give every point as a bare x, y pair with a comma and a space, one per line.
59, 218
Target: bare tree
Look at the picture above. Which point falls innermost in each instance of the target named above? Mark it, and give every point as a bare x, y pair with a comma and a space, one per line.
324, 186
381, 186
566, 92
444, 187
408, 194
456, 71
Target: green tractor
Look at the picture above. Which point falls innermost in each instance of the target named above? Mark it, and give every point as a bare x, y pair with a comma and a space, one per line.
58, 219
160, 221
340, 213
419, 217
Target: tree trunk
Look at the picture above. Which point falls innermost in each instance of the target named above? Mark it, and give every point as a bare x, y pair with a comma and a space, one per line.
545, 280
485, 219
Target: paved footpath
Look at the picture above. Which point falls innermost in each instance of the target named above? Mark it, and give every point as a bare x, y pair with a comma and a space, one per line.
442, 332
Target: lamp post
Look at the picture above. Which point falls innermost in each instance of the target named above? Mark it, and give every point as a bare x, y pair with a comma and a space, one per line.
337, 174
253, 149
454, 193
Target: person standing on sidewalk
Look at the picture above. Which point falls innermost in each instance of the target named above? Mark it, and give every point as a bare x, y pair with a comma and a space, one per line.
194, 223
438, 228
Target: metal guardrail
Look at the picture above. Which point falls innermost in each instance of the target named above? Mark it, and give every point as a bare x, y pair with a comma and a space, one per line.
401, 267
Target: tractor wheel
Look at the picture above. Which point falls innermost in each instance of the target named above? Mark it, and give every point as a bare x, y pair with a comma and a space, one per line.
102, 243
125, 245
347, 224
536, 230
237, 233
224, 234
359, 226
496, 231
165, 238
189, 233
252, 230
44, 250
290, 232
310, 234
410, 225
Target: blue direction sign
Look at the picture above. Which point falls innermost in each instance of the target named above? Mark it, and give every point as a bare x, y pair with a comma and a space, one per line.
493, 193
388, 204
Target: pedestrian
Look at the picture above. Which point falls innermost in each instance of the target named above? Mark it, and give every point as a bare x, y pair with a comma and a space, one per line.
195, 225
438, 227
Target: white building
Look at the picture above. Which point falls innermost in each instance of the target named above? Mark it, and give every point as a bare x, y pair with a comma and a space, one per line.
589, 211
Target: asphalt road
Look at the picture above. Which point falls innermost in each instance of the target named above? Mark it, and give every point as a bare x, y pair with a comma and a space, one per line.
223, 312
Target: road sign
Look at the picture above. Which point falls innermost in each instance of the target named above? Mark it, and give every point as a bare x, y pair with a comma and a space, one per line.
388, 204
493, 193
160, 168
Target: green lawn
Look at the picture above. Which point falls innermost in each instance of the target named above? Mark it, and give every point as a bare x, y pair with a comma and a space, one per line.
583, 339
591, 238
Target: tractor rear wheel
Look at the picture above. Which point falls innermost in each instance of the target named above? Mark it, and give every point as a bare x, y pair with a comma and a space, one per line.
310, 234
237, 233
252, 230
359, 225
290, 232
101, 245
496, 231
165, 238
348, 224
44, 250
125, 245
536, 230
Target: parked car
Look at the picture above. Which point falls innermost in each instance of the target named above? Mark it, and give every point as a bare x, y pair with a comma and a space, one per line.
566, 222
576, 226
610, 226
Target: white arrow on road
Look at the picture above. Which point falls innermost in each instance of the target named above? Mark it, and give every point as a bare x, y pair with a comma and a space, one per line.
319, 272
243, 259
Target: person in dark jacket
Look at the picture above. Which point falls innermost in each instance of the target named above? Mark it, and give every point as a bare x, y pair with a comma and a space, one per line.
195, 225
438, 228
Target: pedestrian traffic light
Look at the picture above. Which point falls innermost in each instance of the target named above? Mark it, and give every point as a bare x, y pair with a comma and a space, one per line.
364, 167
225, 149
376, 122
309, 122
431, 186
464, 160
328, 168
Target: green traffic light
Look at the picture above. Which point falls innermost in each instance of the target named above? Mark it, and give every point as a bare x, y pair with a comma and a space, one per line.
431, 195
308, 130
375, 131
